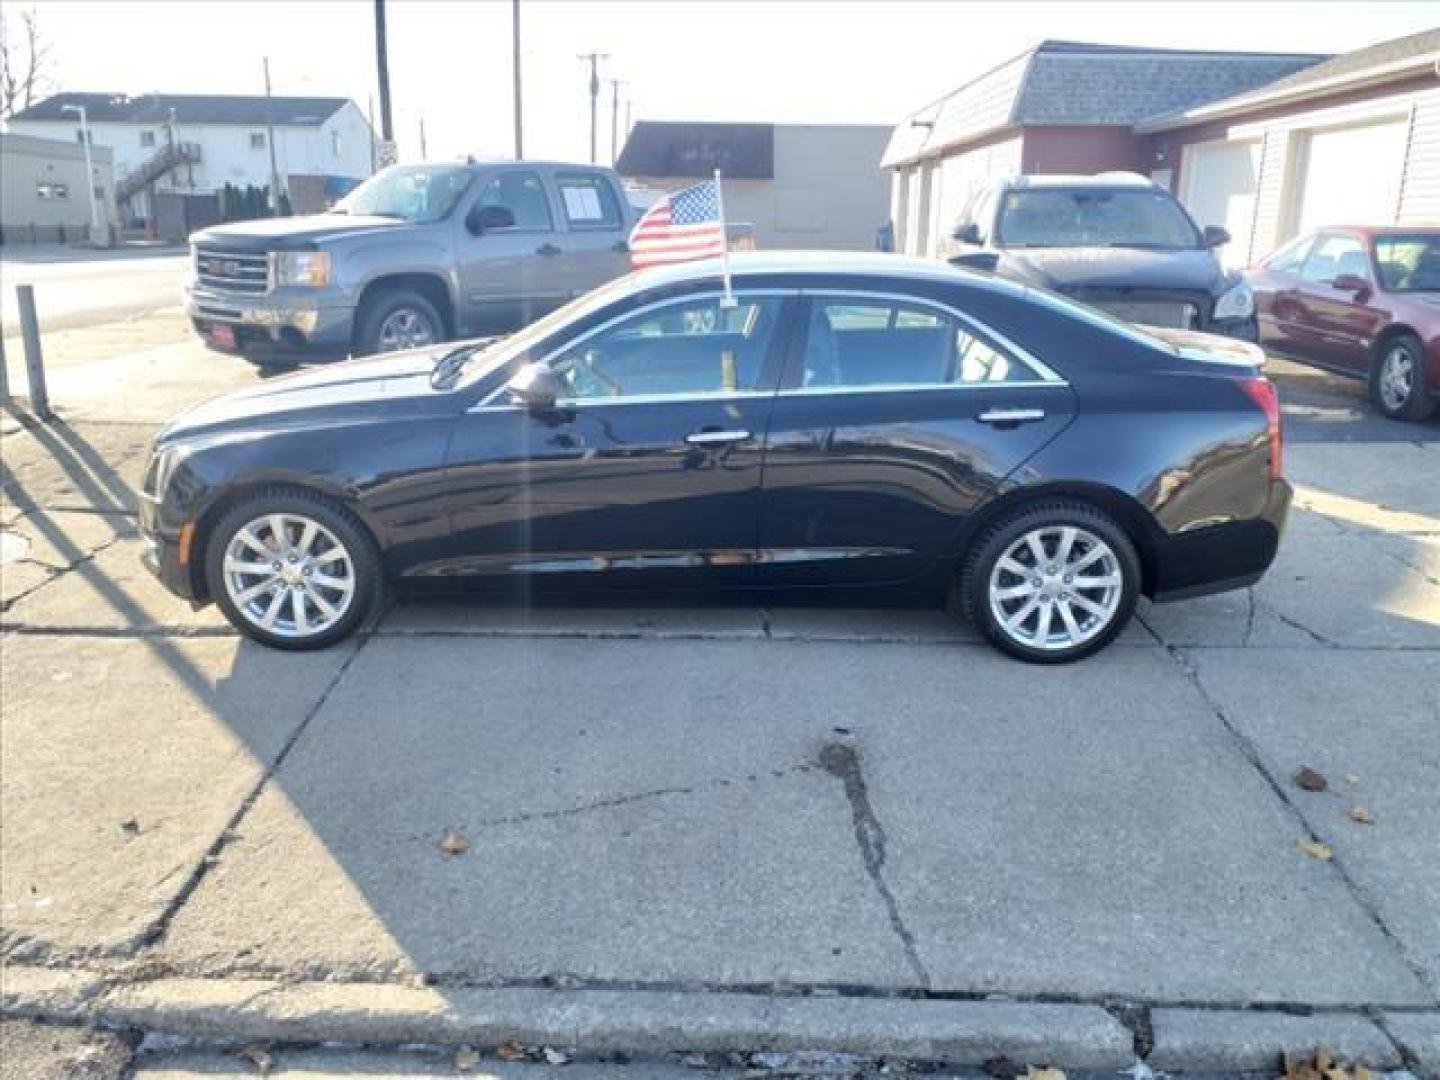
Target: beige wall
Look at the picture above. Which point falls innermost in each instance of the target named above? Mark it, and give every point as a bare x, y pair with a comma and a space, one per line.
26, 163
828, 190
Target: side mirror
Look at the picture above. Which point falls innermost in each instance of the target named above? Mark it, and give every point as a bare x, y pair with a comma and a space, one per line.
1351, 283
968, 233
484, 218
977, 260
1216, 236
535, 387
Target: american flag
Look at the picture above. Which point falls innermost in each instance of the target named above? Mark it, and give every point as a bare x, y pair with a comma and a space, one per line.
680, 227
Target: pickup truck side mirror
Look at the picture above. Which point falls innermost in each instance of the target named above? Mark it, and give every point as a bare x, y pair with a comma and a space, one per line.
977, 260
1351, 283
484, 218
1216, 236
968, 233
535, 387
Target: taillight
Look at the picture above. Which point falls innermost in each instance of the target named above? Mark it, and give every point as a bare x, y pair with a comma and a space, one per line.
1262, 391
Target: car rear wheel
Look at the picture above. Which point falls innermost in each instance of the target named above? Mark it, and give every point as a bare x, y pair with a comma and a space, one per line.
397, 319
1052, 582
292, 570
1398, 382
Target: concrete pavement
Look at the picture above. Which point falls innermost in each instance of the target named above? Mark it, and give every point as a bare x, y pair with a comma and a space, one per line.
749, 821
97, 289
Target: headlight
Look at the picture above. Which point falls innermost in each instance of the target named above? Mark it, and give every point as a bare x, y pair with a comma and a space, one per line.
162, 468
302, 268
1237, 303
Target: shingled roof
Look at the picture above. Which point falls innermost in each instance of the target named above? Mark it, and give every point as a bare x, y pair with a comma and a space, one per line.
1078, 83
188, 109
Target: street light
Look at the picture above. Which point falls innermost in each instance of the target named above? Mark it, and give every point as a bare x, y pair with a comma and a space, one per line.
89, 173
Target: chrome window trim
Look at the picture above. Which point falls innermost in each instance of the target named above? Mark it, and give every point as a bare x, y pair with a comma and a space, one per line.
908, 388
1048, 375
709, 395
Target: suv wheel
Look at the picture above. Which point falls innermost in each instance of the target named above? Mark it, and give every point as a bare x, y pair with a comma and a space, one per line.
1052, 582
292, 570
1398, 382
397, 319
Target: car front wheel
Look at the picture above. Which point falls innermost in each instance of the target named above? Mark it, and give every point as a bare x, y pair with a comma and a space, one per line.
1398, 380
1052, 582
292, 570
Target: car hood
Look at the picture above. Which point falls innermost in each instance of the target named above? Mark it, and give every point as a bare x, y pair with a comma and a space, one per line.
295, 233
337, 393
1125, 268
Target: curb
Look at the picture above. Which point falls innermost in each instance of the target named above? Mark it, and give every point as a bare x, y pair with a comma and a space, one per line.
644, 1022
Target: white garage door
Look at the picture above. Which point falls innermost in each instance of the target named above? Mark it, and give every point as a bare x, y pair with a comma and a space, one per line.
1352, 175
1220, 180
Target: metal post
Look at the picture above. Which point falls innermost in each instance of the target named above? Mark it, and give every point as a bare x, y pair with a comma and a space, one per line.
614, 120
515, 74
270, 138
424, 153
4, 374
34, 357
89, 172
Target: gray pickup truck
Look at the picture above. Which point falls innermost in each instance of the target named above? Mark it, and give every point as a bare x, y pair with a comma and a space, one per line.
416, 254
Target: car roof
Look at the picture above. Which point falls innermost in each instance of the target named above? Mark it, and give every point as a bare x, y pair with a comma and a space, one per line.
1065, 180
1373, 231
810, 264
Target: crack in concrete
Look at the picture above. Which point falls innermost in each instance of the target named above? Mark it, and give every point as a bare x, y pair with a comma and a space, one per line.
1249, 618
842, 761
1296, 624
1252, 755
1371, 536
156, 931
57, 572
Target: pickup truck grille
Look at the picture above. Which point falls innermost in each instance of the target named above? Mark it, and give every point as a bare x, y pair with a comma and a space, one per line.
233, 272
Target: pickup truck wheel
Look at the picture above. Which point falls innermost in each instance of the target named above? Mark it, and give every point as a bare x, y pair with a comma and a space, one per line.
397, 319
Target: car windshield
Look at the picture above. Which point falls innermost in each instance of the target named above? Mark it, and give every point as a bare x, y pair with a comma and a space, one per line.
1409, 263
409, 192
503, 350
1094, 217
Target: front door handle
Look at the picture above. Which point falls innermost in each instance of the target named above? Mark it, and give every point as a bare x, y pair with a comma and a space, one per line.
547, 249
1010, 417
716, 438
620, 245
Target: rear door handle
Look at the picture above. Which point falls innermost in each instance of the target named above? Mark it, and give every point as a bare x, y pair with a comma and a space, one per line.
1002, 417
716, 438
547, 249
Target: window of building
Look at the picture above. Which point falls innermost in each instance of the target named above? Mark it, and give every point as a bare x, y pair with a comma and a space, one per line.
589, 201
692, 347
862, 342
147, 138
257, 140
52, 190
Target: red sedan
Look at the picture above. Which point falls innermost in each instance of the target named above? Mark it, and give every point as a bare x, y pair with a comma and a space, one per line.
1362, 302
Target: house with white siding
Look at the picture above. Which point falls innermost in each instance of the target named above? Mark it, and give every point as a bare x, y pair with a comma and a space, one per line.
1266, 145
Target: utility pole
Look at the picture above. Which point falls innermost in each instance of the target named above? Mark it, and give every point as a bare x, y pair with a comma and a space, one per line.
270, 140
594, 59
370, 116
614, 120
515, 75
424, 154
382, 67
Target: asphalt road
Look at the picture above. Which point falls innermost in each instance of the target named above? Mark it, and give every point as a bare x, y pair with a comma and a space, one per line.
90, 289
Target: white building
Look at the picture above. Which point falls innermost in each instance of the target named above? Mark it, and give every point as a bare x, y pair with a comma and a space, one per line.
192, 145
43, 198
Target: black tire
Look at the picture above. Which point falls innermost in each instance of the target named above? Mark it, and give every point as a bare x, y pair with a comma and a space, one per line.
1417, 404
360, 551
385, 304
986, 550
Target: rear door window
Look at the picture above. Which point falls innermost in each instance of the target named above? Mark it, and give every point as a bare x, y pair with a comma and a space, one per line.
855, 343
1333, 255
523, 195
589, 201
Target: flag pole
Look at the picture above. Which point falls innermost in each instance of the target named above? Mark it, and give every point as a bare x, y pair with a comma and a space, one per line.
727, 300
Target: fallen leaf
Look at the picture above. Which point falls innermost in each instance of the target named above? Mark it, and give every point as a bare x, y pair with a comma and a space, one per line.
1315, 849
1047, 1073
1310, 780
555, 1057
453, 842
130, 827
259, 1056
511, 1051
466, 1058
1361, 816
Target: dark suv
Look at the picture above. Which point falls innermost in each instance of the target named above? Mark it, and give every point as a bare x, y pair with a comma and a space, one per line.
1117, 241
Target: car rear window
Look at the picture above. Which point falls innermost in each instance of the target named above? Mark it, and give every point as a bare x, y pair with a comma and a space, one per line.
1409, 263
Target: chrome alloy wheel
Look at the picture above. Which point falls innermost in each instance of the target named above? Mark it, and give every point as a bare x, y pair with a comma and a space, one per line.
1056, 587
405, 328
289, 575
1397, 377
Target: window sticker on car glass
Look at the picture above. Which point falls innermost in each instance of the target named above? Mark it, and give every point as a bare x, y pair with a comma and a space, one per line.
583, 204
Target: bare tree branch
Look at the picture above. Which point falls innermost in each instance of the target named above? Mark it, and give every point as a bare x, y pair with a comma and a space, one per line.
25, 63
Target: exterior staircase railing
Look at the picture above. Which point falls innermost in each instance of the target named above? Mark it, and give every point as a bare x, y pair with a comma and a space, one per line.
170, 156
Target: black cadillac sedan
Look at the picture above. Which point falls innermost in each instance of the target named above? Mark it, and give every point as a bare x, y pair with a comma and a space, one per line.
840, 420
